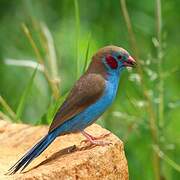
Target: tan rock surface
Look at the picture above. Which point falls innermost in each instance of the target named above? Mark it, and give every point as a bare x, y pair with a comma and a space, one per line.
61, 160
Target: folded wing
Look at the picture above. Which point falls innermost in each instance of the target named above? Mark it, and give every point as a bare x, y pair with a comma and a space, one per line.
87, 90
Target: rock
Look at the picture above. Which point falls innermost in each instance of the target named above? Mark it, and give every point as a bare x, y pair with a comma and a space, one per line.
62, 159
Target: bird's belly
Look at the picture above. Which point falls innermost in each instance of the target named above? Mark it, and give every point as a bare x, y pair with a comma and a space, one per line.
93, 112
90, 114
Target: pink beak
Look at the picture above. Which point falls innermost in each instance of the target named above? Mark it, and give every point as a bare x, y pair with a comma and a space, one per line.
130, 62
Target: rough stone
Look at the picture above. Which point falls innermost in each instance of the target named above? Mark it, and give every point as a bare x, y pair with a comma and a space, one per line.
65, 158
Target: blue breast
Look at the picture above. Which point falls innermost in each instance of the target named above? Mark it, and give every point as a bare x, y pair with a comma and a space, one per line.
89, 115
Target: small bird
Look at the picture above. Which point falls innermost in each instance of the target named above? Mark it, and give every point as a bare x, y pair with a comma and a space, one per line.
91, 95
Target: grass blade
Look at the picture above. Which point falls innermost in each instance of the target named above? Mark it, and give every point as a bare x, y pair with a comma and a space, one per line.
24, 96
33, 44
52, 59
51, 52
53, 108
163, 156
4, 117
24, 63
77, 20
87, 53
8, 109
40, 61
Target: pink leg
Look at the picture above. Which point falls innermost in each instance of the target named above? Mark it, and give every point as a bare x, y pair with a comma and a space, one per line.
94, 140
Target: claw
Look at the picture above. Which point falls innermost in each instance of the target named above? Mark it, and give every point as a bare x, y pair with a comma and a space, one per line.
94, 140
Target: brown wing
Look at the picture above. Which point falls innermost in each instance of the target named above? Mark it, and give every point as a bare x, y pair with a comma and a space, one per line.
87, 90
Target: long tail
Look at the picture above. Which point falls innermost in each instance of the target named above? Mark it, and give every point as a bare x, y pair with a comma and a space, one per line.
32, 153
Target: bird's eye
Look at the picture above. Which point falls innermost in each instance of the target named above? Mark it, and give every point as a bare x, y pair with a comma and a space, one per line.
119, 57
111, 61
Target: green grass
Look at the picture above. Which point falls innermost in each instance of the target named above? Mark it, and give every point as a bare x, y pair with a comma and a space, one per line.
86, 62
24, 98
77, 22
7, 109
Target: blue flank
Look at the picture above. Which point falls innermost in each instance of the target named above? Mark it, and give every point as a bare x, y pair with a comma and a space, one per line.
77, 123
87, 117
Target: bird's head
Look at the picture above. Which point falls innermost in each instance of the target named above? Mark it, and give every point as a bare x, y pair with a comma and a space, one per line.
116, 58
113, 59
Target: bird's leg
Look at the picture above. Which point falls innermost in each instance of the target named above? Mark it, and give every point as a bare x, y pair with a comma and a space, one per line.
94, 140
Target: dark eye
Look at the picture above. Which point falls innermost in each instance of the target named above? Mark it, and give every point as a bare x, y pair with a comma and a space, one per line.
119, 57
111, 61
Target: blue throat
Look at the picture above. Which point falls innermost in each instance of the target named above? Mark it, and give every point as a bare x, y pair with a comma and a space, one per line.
93, 112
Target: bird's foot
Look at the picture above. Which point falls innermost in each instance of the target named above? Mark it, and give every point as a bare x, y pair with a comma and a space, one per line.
95, 140
90, 137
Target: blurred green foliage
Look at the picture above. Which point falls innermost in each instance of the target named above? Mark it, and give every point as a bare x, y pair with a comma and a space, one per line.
98, 23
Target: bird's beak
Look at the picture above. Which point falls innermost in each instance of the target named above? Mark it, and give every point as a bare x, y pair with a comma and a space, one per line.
130, 62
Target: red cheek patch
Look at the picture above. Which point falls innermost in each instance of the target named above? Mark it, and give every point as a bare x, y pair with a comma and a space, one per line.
111, 61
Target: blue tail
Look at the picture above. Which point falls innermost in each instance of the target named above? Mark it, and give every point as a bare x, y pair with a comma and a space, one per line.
32, 153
